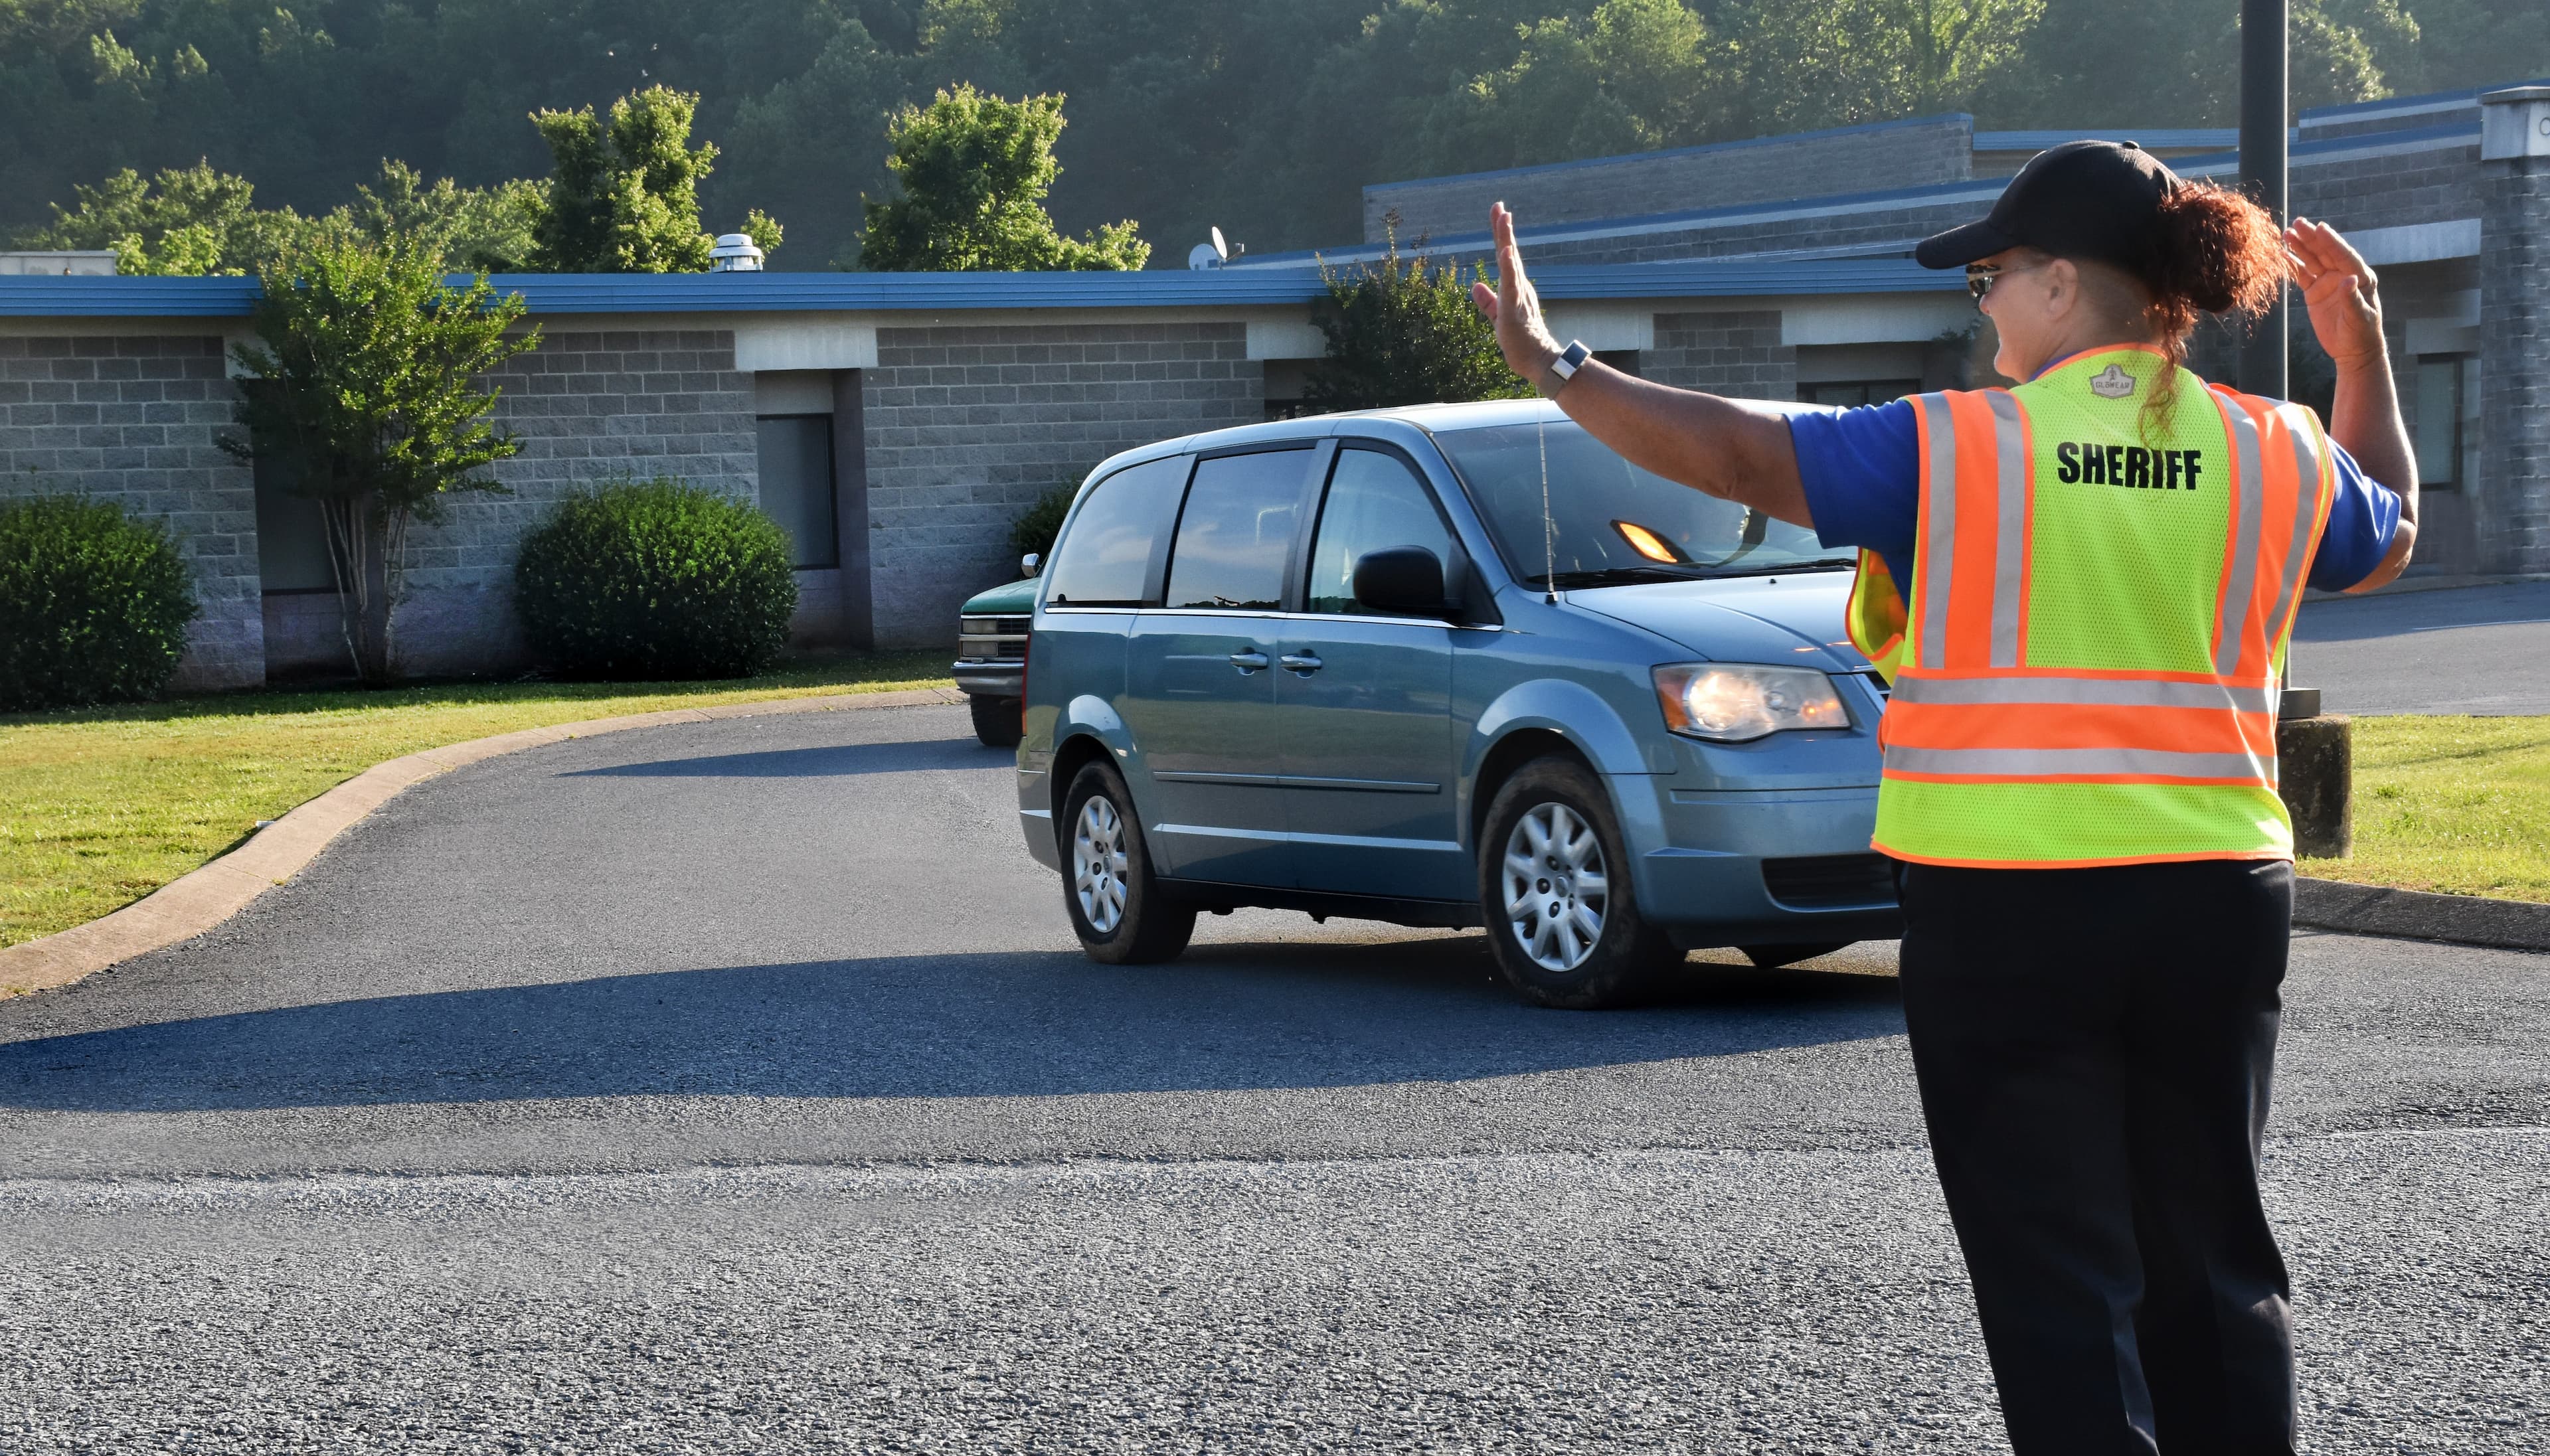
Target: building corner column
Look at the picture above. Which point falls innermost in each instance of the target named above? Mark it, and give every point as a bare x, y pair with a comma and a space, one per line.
2513, 505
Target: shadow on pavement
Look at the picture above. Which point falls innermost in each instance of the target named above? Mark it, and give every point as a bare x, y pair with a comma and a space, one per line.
832, 761
1225, 1017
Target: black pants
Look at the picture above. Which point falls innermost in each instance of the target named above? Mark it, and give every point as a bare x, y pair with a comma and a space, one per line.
2094, 1048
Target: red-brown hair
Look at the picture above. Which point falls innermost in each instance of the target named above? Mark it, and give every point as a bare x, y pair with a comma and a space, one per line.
2219, 253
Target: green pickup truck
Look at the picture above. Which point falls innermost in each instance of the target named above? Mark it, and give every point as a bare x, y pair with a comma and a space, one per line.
992, 656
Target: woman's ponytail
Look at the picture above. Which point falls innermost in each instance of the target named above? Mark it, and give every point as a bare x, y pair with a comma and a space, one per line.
2218, 254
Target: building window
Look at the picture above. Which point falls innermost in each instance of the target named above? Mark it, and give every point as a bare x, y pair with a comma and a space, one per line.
795, 461
1851, 393
291, 536
2447, 420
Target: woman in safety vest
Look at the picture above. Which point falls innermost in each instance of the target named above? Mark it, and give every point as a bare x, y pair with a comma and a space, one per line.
2080, 590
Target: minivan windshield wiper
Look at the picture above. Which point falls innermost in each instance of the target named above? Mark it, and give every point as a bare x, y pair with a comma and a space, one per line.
1812, 563
1619, 576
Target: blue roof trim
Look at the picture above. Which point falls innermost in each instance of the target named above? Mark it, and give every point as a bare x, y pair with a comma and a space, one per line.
2303, 150
2411, 103
730, 293
1630, 156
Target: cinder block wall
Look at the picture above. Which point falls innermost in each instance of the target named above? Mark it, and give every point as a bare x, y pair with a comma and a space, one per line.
967, 426
1908, 153
134, 420
1737, 354
2424, 186
2513, 504
588, 405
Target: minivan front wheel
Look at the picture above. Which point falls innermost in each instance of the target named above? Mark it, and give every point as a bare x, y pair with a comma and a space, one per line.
1563, 921
1118, 907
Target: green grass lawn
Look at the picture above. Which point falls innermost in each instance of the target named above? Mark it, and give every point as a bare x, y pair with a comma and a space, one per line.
100, 807
2457, 805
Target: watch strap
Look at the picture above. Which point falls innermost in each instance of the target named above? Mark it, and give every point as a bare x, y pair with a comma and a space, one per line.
1564, 368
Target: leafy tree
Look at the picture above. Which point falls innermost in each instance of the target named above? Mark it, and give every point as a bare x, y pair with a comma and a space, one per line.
975, 170
484, 230
626, 198
1633, 76
186, 220
1403, 332
365, 386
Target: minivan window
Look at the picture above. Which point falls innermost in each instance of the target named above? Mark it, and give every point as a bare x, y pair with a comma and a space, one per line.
1104, 558
1375, 502
1608, 519
1238, 530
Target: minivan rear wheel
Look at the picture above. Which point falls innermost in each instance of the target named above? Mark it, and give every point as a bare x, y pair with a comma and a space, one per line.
1119, 909
1563, 920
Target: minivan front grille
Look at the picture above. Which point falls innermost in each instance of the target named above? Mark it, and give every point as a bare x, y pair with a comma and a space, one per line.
1829, 881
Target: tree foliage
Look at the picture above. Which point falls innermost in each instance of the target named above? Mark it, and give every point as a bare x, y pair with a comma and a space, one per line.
974, 170
1403, 332
624, 197
1264, 115
365, 387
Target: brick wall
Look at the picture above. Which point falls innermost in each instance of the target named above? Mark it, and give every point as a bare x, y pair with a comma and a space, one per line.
2431, 186
966, 425
1911, 154
134, 420
1735, 353
588, 406
2514, 509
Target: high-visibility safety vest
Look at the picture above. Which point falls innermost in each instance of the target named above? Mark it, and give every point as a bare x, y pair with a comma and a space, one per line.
2085, 667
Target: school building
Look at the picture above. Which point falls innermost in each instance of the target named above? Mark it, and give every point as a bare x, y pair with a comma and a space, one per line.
896, 425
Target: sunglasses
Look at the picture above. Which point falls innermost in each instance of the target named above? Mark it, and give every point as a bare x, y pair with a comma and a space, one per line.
1980, 278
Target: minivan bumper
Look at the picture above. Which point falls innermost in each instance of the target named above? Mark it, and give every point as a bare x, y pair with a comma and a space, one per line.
1782, 866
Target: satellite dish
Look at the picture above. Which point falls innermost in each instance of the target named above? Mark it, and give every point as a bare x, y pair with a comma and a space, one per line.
1209, 254
1221, 249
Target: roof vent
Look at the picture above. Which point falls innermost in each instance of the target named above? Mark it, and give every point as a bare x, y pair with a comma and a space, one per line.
735, 252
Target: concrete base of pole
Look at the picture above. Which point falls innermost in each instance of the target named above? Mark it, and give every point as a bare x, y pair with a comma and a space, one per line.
2315, 767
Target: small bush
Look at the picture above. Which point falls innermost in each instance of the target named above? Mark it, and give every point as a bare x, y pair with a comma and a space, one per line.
93, 604
1035, 530
655, 579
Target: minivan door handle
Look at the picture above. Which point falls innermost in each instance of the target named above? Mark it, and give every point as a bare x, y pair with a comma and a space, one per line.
1248, 662
1304, 663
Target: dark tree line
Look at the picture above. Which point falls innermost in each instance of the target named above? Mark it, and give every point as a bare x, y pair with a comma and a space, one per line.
1264, 115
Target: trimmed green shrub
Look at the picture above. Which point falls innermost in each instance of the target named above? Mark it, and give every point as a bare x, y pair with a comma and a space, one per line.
1035, 530
93, 604
655, 579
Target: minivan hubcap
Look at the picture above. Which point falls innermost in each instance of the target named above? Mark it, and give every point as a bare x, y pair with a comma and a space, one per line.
1098, 864
1555, 887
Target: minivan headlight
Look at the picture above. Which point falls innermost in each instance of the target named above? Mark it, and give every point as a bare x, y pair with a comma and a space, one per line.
1731, 702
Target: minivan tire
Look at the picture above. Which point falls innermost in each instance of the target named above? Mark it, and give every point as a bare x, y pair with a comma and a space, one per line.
1628, 954
996, 721
1143, 923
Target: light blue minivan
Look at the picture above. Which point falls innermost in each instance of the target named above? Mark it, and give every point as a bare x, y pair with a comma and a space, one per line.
1450, 665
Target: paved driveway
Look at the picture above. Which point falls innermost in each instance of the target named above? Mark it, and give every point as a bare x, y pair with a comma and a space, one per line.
735, 1086
2467, 650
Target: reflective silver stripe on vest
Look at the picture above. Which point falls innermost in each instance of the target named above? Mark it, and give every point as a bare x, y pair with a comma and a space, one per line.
1940, 532
2010, 542
2030, 763
2249, 503
2095, 692
2306, 464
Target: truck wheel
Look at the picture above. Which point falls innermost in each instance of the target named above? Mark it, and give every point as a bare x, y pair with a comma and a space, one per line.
1118, 909
1563, 921
1772, 957
996, 721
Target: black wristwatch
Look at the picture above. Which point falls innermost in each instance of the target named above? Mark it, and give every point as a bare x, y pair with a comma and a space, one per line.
1564, 368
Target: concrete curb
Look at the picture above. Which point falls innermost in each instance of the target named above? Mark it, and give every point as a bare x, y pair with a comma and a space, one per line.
194, 903
2467, 920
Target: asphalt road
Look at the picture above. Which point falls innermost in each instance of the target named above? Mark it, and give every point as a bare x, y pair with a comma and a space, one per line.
2464, 649
735, 1086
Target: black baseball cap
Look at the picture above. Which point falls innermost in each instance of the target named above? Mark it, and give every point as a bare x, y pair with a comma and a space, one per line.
2097, 200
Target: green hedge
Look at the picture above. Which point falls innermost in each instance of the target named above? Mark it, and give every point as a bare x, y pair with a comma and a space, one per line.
645, 580
93, 604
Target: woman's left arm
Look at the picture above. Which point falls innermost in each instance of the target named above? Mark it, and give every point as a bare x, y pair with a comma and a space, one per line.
2339, 288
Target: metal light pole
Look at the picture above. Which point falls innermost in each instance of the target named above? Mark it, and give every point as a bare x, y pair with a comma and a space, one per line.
2262, 173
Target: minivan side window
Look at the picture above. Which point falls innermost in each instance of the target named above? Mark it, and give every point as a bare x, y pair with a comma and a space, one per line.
1236, 532
1104, 558
1375, 502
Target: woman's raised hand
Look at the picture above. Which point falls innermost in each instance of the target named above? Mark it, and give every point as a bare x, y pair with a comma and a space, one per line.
1523, 336
2338, 286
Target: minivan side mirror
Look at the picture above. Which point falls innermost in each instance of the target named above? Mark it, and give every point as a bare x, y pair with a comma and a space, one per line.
1029, 565
1401, 581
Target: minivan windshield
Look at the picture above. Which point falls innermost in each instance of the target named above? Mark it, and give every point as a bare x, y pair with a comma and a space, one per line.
1611, 522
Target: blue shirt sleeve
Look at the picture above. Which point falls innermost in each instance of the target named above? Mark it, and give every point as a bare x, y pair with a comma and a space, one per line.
1861, 470
2362, 522
1862, 474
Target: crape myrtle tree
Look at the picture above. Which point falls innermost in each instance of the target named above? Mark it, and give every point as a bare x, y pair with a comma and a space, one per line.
1404, 332
365, 385
974, 170
625, 196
